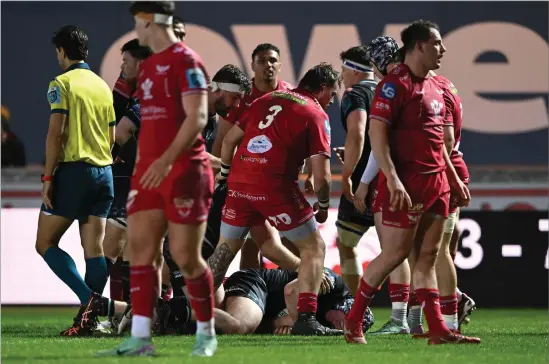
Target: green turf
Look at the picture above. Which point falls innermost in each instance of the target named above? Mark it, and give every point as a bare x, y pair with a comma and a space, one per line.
30, 335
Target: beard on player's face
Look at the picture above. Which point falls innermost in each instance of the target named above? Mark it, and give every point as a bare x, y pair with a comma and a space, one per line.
220, 108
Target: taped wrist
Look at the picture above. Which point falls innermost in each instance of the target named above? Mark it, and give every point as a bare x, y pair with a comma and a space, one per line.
225, 168
324, 204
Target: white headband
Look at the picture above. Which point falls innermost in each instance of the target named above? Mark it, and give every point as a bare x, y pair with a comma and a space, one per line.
356, 66
163, 19
225, 86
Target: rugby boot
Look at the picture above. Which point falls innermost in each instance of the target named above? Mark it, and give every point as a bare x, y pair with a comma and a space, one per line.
85, 322
134, 346
307, 325
426, 334
204, 346
76, 330
392, 327
353, 332
163, 312
465, 307
452, 338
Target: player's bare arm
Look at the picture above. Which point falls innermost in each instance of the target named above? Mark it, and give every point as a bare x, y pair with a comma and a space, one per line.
53, 152
369, 174
449, 139
459, 188
231, 140
196, 108
214, 161
223, 127
322, 177
124, 130
379, 138
354, 143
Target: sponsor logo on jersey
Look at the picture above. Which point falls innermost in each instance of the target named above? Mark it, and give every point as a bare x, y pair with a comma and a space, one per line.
246, 196
162, 70
259, 144
146, 87
260, 160
388, 90
327, 127
290, 96
382, 106
196, 78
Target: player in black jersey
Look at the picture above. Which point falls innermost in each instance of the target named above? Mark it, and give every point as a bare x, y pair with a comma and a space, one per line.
264, 301
358, 78
124, 151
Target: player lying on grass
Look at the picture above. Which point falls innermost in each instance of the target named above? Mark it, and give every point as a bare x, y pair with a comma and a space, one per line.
264, 301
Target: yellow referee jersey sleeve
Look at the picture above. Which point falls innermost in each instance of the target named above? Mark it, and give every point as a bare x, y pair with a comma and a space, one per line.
58, 97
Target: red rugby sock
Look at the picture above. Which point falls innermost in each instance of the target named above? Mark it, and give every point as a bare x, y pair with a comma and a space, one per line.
363, 297
430, 298
449, 305
307, 302
144, 289
201, 295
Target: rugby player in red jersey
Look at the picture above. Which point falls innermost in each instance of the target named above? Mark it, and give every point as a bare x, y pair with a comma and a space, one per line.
277, 133
266, 67
114, 242
445, 268
407, 136
382, 52
172, 183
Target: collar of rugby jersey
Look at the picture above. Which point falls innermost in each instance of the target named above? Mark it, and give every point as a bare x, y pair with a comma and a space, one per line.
256, 93
81, 65
308, 94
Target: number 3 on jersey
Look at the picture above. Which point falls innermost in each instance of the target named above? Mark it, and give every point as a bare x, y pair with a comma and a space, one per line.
275, 109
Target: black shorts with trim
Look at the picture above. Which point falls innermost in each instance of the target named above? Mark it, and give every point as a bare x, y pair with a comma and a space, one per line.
250, 284
348, 213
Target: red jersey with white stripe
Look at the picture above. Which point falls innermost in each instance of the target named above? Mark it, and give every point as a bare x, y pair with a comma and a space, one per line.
164, 78
235, 114
282, 129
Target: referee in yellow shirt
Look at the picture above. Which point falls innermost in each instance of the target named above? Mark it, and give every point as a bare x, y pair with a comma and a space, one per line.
77, 180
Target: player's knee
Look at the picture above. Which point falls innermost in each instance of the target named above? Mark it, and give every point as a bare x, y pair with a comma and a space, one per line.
42, 246
427, 258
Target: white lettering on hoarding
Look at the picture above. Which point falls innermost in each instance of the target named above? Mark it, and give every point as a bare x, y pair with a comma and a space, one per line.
520, 75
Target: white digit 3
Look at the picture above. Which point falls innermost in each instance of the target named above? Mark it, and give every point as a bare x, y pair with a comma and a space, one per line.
275, 110
470, 242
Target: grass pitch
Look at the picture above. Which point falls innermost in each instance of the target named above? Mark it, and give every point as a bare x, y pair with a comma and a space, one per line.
520, 336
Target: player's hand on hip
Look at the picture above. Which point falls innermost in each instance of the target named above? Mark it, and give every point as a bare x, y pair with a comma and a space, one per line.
47, 189
360, 197
321, 215
309, 185
400, 200
347, 186
155, 174
340, 153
